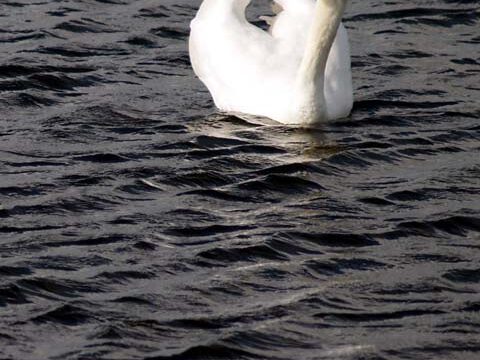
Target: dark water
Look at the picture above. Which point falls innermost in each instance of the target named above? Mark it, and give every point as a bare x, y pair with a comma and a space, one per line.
138, 223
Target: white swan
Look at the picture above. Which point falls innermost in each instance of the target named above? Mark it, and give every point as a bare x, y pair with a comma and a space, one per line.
297, 73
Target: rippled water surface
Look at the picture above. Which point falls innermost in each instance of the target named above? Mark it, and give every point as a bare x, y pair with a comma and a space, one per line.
137, 222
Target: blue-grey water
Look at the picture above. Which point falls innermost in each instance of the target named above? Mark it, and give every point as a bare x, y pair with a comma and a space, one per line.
137, 222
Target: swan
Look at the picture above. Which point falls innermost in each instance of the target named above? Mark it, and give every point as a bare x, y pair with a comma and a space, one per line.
298, 72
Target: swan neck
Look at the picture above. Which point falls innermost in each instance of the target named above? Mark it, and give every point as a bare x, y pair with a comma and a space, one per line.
328, 16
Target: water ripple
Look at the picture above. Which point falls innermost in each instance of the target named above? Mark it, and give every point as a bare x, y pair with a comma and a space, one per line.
138, 222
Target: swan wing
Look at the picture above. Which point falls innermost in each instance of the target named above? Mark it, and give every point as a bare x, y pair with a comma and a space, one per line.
292, 20
229, 55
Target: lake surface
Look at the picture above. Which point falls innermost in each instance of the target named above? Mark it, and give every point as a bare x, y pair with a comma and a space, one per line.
137, 222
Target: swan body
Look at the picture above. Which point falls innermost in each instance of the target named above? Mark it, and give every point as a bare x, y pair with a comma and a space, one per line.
296, 73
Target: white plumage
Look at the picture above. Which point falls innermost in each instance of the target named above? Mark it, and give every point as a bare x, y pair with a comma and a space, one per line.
296, 73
